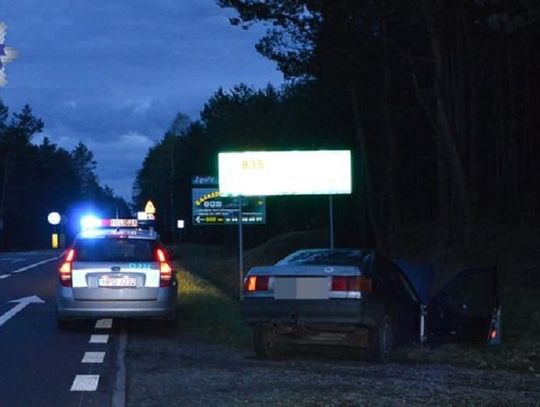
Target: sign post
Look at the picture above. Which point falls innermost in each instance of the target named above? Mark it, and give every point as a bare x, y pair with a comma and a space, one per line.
240, 245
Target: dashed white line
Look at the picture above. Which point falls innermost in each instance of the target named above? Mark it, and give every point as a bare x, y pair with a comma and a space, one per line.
85, 382
2, 276
31, 266
104, 323
93, 357
99, 339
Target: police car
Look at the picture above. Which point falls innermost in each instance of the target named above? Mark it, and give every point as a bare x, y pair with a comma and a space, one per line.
114, 268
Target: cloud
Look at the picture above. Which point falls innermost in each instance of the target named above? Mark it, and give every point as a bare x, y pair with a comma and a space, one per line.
103, 72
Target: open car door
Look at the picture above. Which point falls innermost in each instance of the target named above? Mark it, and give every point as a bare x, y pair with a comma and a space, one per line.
466, 309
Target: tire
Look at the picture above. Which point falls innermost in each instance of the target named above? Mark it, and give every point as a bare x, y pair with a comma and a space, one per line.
264, 343
382, 341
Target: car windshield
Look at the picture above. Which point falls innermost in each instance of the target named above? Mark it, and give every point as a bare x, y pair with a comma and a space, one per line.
323, 257
114, 249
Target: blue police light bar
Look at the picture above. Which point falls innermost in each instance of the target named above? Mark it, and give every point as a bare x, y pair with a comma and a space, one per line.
90, 222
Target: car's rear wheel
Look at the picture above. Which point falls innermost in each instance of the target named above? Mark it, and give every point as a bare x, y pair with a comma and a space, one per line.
382, 340
264, 342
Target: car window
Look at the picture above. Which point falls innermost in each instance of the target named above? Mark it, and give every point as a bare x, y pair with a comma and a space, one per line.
114, 250
323, 257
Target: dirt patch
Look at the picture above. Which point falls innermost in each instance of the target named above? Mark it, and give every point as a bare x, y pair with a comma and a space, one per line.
178, 370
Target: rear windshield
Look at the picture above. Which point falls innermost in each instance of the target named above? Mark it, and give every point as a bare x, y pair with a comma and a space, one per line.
324, 257
115, 250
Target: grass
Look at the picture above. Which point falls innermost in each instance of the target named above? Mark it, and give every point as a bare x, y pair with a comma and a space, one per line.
205, 311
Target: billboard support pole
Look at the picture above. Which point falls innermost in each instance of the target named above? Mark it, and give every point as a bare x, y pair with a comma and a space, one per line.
331, 219
240, 246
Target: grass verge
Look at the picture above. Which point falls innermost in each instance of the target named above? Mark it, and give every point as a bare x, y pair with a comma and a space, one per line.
206, 312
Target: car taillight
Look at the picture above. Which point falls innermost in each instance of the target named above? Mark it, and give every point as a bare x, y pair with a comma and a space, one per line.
165, 270
64, 273
256, 283
351, 283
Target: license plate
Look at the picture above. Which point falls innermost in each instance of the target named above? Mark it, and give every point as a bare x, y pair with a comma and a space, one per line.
302, 288
123, 281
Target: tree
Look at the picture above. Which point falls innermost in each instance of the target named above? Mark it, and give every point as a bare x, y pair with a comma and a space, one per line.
85, 166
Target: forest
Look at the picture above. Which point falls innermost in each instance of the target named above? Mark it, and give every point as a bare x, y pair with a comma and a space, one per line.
437, 99
36, 179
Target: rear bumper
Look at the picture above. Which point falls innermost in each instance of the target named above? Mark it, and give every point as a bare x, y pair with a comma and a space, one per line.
68, 307
358, 312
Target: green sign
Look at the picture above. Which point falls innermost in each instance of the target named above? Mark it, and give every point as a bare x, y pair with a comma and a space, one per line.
210, 208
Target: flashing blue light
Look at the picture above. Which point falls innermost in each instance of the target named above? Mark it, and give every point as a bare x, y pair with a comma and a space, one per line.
90, 222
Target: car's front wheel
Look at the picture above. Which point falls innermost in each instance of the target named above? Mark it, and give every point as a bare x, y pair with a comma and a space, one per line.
264, 342
382, 340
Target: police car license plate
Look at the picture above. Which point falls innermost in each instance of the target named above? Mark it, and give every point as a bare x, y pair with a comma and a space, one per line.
124, 281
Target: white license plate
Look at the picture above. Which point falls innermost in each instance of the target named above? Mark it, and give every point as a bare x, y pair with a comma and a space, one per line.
301, 288
124, 281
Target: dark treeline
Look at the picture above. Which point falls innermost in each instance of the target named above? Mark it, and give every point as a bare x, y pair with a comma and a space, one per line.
438, 99
38, 179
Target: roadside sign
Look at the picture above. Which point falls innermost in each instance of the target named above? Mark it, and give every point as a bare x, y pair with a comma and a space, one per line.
210, 208
264, 173
150, 208
206, 180
54, 218
145, 216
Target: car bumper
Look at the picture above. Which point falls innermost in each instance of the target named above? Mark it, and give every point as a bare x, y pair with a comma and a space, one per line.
358, 312
68, 307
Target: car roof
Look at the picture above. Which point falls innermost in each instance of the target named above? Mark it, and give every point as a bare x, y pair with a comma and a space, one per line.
119, 233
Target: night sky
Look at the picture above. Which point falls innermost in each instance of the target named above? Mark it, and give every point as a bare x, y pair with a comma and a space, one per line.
114, 73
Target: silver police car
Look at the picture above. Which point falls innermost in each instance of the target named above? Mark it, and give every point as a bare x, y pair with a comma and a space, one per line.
116, 272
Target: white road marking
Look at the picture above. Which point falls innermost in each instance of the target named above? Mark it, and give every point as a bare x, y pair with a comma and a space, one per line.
18, 260
99, 339
85, 382
93, 357
2, 276
31, 266
22, 303
104, 323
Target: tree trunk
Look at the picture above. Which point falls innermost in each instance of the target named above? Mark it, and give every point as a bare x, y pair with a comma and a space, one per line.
391, 142
446, 133
365, 176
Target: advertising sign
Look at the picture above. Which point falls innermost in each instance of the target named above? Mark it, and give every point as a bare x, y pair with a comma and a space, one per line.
261, 173
210, 208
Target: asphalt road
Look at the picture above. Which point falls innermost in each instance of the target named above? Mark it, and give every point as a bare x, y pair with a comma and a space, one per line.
41, 365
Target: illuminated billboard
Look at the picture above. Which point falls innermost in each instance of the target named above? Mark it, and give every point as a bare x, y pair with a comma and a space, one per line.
260, 173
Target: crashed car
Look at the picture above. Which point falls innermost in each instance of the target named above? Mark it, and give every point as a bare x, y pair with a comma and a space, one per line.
359, 298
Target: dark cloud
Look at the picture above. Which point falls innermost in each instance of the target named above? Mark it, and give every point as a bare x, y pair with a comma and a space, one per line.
102, 71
